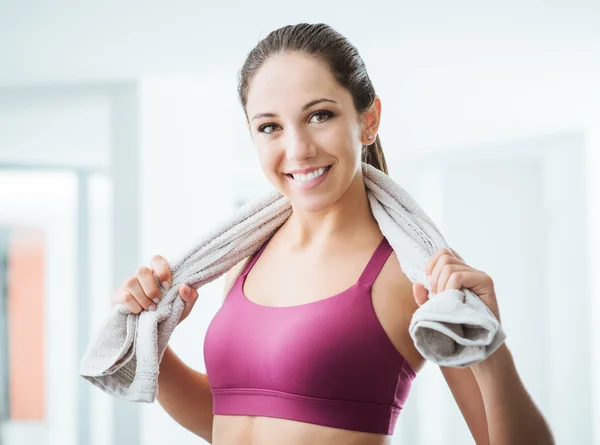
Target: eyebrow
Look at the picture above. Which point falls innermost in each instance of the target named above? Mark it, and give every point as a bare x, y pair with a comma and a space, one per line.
304, 108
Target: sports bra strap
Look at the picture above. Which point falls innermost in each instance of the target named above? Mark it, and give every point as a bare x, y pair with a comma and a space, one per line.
254, 259
376, 263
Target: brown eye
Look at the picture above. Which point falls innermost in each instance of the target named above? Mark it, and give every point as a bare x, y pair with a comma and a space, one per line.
263, 128
321, 116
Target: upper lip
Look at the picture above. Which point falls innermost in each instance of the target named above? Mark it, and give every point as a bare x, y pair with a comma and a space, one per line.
305, 170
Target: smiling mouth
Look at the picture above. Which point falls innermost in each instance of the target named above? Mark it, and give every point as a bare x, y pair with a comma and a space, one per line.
325, 170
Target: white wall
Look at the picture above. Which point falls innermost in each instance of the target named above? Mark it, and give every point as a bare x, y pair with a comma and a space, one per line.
101, 285
186, 187
66, 41
592, 178
54, 126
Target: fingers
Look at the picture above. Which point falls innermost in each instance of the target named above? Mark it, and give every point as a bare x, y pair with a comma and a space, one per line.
133, 286
141, 291
436, 264
420, 294
434, 259
124, 297
470, 279
189, 295
148, 283
161, 269
448, 277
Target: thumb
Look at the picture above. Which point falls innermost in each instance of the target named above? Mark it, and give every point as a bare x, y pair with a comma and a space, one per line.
189, 295
420, 293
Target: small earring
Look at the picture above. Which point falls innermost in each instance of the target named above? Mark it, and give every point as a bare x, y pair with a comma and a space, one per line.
369, 137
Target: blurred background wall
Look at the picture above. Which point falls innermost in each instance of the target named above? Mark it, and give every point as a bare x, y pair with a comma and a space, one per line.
121, 137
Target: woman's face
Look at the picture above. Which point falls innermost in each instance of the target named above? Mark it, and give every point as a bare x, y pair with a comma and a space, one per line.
302, 121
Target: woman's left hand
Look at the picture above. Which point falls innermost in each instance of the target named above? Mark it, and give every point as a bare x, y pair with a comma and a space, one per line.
447, 270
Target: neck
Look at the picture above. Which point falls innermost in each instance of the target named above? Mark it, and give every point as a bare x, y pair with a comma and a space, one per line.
348, 219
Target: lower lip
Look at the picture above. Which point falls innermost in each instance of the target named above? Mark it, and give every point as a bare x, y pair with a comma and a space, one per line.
311, 183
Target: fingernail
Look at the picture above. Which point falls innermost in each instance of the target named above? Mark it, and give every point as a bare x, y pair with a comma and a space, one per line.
156, 300
165, 285
152, 308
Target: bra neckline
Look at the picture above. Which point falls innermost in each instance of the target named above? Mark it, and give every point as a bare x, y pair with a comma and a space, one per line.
371, 266
309, 303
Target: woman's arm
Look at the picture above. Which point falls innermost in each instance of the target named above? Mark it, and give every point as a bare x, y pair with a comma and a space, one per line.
495, 404
512, 417
492, 386
467, 394
185, 395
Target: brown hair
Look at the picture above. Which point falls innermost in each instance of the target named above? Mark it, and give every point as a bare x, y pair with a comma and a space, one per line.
324, 43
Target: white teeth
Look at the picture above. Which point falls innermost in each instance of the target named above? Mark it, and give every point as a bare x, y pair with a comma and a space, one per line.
312, 175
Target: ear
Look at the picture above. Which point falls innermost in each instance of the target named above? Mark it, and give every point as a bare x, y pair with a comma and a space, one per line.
371, 119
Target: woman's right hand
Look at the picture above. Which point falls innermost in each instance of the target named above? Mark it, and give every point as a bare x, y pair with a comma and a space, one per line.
140, 292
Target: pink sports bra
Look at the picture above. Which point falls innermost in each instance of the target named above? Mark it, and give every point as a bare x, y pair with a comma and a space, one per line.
327, 362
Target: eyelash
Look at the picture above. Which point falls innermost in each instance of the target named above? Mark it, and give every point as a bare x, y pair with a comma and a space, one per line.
329, 115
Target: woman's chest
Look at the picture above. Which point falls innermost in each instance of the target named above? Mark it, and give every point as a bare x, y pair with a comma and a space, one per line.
299, 327
333, 285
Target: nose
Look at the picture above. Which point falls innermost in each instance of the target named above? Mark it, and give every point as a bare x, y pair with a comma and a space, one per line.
299, 146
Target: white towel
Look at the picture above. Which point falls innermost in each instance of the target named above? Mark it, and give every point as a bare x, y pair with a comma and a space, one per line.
453, 328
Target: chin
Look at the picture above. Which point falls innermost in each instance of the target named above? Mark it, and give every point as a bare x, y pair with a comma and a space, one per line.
315, 205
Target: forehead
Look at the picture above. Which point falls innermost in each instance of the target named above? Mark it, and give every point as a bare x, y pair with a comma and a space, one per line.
292, 80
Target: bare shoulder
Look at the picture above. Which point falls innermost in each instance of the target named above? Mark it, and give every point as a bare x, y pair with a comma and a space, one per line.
395, 305
232, 274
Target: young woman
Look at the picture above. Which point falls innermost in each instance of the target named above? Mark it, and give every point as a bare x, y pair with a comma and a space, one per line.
311, 345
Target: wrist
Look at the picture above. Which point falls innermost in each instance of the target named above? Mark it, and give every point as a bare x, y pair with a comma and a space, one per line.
496, 362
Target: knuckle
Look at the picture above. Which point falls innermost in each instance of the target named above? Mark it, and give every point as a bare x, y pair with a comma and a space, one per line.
142, 271
159, 262
157, 259
143, 304
154, 292
443, 252
161, 267
131, 282
455, 279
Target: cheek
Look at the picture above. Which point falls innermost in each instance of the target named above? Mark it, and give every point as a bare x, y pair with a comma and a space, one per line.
269, 158
341, 138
